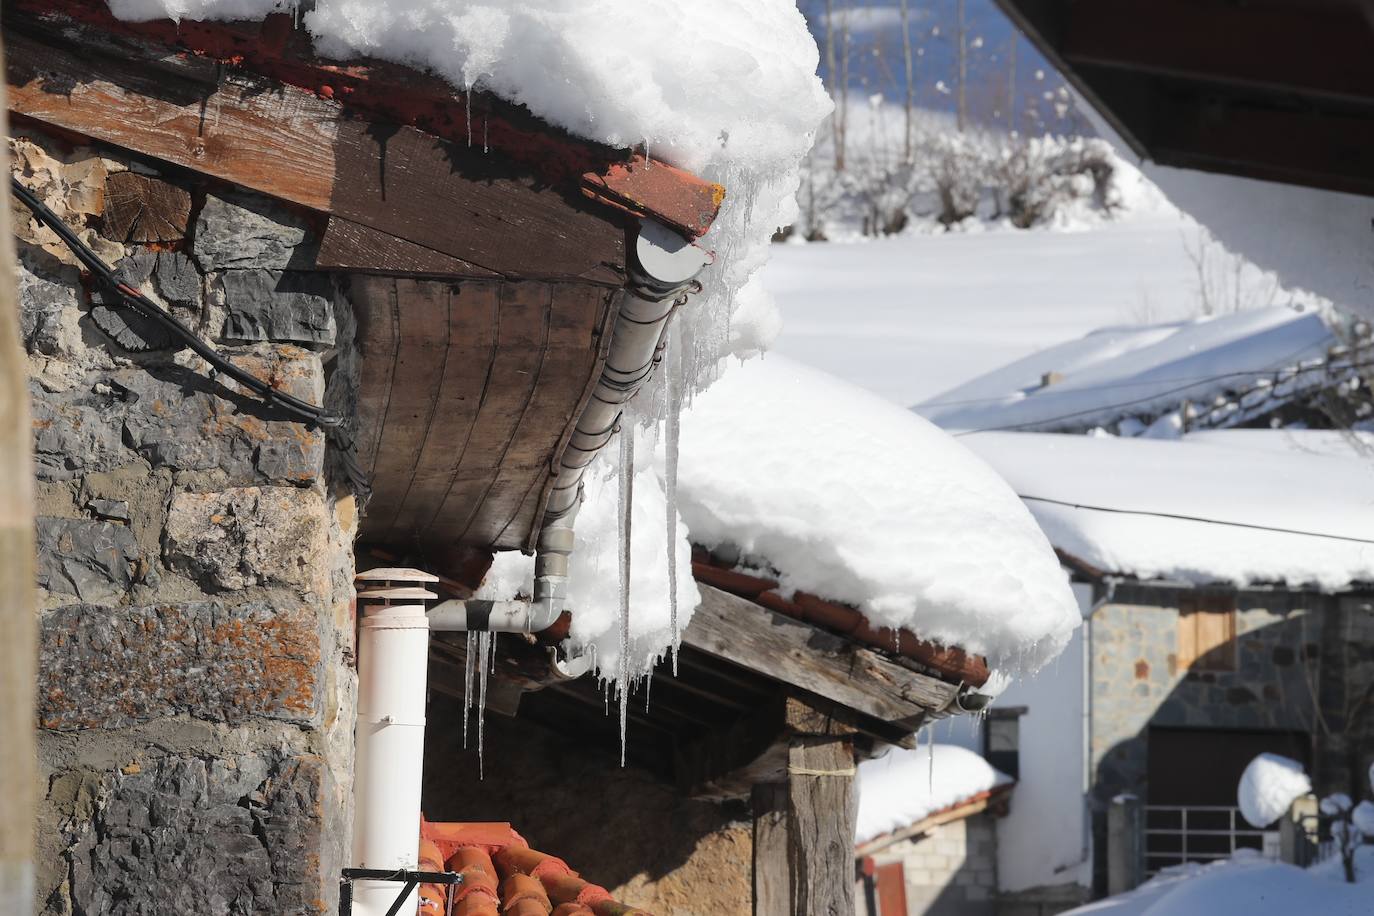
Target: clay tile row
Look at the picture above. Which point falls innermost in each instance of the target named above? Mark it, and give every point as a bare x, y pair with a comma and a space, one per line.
503, 876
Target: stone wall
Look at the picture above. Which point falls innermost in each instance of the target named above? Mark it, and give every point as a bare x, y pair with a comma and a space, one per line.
195, 558
1305, 664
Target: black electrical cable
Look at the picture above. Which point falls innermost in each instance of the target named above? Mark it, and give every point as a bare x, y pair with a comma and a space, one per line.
310, 413
151, 310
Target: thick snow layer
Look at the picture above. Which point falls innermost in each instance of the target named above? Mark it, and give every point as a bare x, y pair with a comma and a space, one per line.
593, 583
905, 786
726, 89
1268, 787
860, 501
1325, 501
1244, 885
1130, 370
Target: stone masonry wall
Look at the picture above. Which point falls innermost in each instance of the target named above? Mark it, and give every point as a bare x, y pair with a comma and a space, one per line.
195, 558
1305, 663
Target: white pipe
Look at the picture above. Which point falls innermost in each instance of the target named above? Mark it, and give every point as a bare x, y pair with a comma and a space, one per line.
393, 655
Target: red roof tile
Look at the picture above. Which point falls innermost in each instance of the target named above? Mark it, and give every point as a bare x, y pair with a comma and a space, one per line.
503, 876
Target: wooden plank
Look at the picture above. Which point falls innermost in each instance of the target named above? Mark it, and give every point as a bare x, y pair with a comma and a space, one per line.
1315, 50
772, 874
348, 246
473, 316
510, 510
470, 205
422, 321
520, 341
821, 813
378, 341
252, 132
812, 660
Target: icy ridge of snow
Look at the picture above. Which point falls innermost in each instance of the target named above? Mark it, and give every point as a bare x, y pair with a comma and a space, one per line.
858, 500
908, 785
1268, 787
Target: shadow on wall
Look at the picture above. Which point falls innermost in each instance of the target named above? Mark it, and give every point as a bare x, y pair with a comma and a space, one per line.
620, 827
1299, 686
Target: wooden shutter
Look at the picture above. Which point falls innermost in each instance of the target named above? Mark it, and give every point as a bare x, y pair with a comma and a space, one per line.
1207, 632
891, 883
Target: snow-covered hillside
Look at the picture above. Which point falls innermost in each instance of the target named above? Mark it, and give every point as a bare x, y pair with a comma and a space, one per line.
913, 315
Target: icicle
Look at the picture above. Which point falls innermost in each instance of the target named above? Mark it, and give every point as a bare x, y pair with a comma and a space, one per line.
648, 684
469, 669
484, 653
469, 115
930, 750
672, 416
627, 483
486, 122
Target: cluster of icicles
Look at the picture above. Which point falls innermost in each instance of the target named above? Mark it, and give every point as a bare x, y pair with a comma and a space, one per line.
481, 645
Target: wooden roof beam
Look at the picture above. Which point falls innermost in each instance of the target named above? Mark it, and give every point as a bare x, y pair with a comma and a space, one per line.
1315, 49
797, 654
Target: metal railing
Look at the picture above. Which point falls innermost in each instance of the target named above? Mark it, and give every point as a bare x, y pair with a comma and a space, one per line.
1177, 834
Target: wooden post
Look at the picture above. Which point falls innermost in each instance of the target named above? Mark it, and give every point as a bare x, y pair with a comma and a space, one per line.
1125, 852
821, 812
772, 875
18, 621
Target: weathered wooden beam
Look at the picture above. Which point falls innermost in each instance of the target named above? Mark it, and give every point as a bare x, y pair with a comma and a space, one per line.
821, 812
812, 660
1320, 50
245, 130
772, 873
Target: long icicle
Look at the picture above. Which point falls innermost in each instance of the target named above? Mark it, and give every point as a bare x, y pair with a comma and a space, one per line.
469, 669
627, 478
672, 415
484, 651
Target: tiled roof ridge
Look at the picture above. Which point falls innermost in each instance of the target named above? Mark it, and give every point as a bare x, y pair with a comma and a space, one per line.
950, 662
503, 876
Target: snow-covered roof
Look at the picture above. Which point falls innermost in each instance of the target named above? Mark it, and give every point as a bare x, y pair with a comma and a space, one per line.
1136, 371
1234, 506
903, 787
857, 500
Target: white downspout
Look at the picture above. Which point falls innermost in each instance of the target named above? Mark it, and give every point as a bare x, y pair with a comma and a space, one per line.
393, 658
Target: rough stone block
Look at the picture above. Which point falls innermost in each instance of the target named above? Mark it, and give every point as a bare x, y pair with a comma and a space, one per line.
250, 536
112, 667
241, 233
288, 306
182, 420
95, 561
74, 433
234, 835
48, 314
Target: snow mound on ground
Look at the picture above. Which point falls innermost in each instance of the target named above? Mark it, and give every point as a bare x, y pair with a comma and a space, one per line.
1268, 788
725, 89
857, 500
905, 786
1110, 498
1246, 885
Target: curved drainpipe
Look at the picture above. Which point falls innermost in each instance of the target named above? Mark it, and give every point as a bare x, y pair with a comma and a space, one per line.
663, 266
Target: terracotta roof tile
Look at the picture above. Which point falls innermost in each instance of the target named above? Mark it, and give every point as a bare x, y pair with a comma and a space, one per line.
503, 876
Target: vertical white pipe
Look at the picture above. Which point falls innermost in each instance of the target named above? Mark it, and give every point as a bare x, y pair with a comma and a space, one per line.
393, 653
